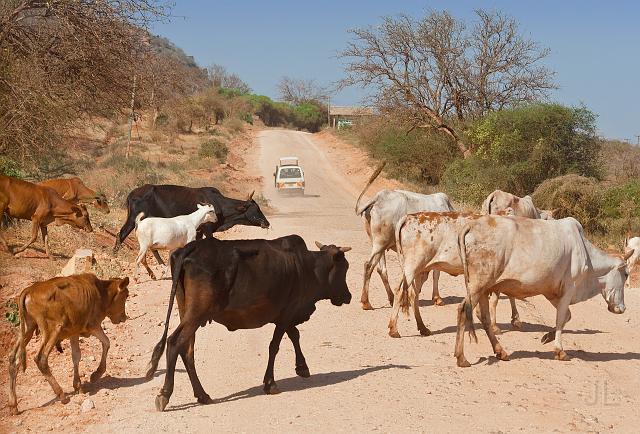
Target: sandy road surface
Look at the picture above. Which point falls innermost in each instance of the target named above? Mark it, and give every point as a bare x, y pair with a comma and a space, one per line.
362, 380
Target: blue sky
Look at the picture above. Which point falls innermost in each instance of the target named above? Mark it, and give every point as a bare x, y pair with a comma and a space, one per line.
595, 45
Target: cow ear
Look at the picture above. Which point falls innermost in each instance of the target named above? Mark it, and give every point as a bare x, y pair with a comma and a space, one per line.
123, 284
627, 255
344, 249
77, 211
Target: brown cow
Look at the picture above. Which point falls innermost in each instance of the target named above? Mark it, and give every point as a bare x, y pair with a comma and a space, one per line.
74, 190
42, 205
65, 308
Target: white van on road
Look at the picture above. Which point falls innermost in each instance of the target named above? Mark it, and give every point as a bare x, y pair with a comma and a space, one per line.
289, 175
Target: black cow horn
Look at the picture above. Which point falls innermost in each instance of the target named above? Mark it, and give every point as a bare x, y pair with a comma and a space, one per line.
628, 255
251, 195
319, 244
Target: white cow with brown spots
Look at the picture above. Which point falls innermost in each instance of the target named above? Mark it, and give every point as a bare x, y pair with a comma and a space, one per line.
525, 257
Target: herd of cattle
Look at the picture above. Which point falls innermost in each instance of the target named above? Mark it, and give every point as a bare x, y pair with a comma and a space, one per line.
511, 247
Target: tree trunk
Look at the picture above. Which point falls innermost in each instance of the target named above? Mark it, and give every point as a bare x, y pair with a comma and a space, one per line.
131, 116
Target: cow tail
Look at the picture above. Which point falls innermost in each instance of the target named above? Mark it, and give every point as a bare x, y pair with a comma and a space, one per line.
372, 178
177, 261
139, 217
404, 295
466, 304
22, 349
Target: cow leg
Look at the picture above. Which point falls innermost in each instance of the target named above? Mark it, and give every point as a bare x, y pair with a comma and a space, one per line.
49, 339
376, 253
465, 318
486, 323
158, 257
435, 296
515, 316
142, 259
34, 235
551, 335
382, 271
104, 340
45, 239
126, 229
395, 309
270, 387
190, 365
176, 344
493, 304
22, 342
76, 356
415, 294
563, 314
302, 369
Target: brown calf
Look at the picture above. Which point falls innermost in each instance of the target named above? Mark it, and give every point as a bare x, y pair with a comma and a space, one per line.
74, 190
65, 308
42, 205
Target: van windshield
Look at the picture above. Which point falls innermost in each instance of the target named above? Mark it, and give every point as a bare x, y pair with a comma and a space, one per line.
290, 172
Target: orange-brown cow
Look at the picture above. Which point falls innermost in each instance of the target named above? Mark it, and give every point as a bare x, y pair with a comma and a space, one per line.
74, 190
42, 205
65, 308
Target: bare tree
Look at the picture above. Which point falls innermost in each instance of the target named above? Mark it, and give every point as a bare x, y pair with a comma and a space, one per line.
61, 61
438, 73
296, 91
220, 77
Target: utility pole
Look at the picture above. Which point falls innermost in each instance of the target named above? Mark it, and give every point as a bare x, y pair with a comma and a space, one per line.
638, 138
329, 111
131, 116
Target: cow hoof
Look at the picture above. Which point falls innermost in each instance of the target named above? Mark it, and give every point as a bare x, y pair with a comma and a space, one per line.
271, 388
496, 330
366, 306
516, 324
151, 369
394, 333
561, 355
425, 331
303, 372
64, 399
161, 402
96, 376
548, 337
13, 410
463, 363
438, 301
204, 400
77, 387
502, 355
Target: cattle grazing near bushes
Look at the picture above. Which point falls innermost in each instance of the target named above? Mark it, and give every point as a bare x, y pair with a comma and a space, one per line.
43, 206
65, 308
525, 257
245, 284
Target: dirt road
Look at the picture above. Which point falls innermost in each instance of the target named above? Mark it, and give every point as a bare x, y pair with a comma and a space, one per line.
362, 380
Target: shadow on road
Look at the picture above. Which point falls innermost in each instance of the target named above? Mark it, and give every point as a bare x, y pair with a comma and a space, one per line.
578, 354
526, 328
452, 299
293, 384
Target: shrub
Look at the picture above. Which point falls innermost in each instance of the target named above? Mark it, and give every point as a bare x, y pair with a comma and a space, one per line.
418, 155
234, 125
309, 116
247, 117
9, 167
214, 148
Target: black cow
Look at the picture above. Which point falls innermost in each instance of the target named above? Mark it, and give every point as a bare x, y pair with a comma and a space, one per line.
244, 284
175, 200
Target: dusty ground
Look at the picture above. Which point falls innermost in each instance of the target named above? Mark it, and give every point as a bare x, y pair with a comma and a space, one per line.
362, 380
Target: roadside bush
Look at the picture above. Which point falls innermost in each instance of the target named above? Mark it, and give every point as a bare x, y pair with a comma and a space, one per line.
234, 125
8, 167
214, 148
417, 156
573, 196
309, 116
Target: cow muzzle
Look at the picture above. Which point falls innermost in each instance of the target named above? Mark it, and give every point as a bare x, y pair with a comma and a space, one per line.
617, 308
341, 301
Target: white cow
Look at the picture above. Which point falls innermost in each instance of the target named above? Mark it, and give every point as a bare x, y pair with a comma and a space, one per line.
498, 202
380, 215
524, 257
633, 244
158, 233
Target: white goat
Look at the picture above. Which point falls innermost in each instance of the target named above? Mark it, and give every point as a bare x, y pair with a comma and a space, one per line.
157, 233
